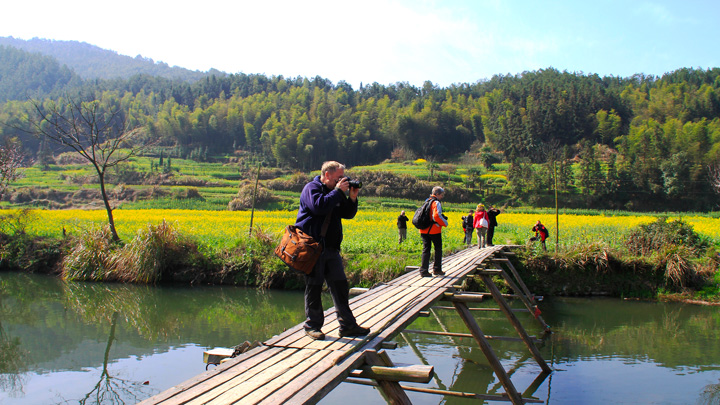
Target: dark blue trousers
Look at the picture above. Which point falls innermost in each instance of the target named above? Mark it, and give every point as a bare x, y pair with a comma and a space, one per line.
328, 269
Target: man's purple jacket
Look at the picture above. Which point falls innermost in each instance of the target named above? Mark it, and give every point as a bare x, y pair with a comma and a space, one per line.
316, 201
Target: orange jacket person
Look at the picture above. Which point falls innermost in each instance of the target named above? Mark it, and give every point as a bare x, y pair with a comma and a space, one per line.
433, 235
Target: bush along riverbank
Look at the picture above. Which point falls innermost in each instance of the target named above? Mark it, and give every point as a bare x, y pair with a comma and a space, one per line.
665, 260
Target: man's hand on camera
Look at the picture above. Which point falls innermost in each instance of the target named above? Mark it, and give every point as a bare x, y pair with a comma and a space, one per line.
354, 193
343, 184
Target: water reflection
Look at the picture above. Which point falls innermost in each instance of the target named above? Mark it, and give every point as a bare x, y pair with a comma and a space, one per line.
114, 343
100, 333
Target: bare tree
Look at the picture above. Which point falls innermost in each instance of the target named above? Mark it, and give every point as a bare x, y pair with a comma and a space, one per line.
11, 158
714, 176
97, 132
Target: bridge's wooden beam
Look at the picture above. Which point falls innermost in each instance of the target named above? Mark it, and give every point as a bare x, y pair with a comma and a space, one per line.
407, 373
358, 290
459, 394
467, 335
388, 345
484, 309
390, 389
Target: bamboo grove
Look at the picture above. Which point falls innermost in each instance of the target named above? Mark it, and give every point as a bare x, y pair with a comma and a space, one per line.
642, 142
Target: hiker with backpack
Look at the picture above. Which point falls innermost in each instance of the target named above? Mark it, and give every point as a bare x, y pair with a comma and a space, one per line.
430, 220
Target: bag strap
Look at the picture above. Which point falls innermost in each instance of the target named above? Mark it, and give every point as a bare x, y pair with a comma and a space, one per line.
326, 224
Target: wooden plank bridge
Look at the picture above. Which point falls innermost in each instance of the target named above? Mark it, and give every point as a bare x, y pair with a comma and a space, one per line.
293, 368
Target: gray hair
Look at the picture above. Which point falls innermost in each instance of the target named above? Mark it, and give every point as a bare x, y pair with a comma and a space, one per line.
331, 166
437, 190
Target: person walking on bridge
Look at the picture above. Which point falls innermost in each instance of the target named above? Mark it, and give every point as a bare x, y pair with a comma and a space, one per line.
433, 235
481, 224
323, 196
492, 223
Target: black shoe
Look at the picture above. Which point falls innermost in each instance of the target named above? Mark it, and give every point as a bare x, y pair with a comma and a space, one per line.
356, 330
438, 273
315, 334
425, 273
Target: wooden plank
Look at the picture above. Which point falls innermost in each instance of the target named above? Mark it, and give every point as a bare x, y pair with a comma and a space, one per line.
296, 337
245, 387
316, 384
396, 321
370, 315
231, 379
483, 309
217, 354
386, 316
290, 377
241, 361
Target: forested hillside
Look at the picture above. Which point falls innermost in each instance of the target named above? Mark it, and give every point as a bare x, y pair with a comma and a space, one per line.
24, 75
92, 62
641, 142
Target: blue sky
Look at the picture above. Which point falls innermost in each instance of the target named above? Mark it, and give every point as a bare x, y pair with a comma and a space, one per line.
445, 42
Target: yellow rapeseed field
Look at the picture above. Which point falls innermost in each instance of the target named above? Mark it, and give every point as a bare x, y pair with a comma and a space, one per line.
371, 230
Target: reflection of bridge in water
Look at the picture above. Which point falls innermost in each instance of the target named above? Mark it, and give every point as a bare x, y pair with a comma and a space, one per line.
293, 368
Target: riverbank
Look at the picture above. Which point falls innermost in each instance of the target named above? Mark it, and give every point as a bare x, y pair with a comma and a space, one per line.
651, 260
178, 261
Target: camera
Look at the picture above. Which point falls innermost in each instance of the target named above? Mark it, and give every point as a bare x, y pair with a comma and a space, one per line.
354, 183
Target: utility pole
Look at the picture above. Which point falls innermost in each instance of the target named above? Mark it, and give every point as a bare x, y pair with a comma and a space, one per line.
557, 215
252, 212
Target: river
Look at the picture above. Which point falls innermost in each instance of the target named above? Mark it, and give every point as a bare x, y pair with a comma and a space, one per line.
100, 343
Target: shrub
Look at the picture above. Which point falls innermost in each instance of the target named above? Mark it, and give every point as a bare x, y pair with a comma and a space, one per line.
189, 193
159, 253
21, 251
659, 235
91, 258
244, 198
296, 182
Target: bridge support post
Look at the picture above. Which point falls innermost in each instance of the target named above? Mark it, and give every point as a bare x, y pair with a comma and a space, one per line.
391, 390
487, 350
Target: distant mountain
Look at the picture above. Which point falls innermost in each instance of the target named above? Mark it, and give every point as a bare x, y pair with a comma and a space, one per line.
92, 62
24, 74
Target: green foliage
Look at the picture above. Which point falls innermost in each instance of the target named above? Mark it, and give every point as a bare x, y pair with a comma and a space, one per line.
91, 257
639, 143
252, 262
23, 73
20, 251
159, 253
156, 254
92, 62
244, 198
662, 235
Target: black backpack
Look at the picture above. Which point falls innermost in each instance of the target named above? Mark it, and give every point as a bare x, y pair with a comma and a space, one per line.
422, 218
